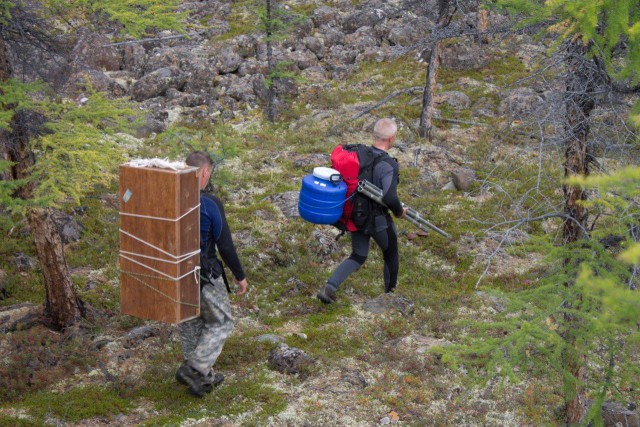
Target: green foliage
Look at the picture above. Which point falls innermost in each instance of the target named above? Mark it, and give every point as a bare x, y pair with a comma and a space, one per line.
585, 309
77, 404
79, 150
608, 27
136, 17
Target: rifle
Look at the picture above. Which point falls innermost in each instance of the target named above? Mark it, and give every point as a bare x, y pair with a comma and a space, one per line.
414, 217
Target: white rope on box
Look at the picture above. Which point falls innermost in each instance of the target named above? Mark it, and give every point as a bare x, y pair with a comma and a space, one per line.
161, 218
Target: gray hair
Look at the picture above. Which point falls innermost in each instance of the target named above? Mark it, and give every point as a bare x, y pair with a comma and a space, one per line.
384, 129
199, 159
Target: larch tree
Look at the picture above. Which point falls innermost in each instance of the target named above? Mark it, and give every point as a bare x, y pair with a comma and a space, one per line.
57, 150
568, 324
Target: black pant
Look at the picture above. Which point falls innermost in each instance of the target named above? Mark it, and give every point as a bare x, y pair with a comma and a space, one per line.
386, 238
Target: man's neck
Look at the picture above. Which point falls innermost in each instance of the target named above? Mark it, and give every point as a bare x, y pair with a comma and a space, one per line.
381, 145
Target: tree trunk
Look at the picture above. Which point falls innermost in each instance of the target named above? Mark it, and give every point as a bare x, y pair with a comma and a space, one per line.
5, 74
271, 94
62, 307
580, 85
579, 104
426, 126
445, 14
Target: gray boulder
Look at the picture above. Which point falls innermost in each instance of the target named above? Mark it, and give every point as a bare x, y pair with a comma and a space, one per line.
133, 58
303, 58
161, 58
69, 228
365, 18
331, 37
289, 360
520, 102
228, 61
463, 178
325, 15
362, 38
464, 57
23, 262
247, 46
98, 80
91, 50
458, 100
19, 317
136, 336
287, 203
315, 45
156, 83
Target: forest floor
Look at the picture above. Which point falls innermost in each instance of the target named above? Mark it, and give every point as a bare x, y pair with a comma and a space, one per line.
371, 366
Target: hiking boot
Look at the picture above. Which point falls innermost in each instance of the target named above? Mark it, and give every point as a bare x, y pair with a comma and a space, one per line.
389, 289
188, 376
327, 294
212, 380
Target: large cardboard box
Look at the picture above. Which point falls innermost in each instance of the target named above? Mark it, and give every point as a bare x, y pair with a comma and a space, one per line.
159, 243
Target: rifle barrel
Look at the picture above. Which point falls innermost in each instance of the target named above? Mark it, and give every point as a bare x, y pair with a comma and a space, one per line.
413, 216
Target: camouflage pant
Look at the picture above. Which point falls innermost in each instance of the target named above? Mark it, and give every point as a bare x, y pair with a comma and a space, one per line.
203, 337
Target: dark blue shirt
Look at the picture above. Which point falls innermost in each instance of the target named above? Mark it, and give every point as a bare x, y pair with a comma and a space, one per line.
210, 222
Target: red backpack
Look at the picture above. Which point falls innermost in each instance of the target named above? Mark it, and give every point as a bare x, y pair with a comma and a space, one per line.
355, 162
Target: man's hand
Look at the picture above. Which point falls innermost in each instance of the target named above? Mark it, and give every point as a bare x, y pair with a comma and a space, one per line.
404, 213
243, 286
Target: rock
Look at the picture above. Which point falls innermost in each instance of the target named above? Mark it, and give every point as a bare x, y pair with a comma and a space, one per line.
362, 38
156, 83
296, 285
366, 18
133, 58
462, 178
520, 102
303, 59
407, 31
315, 45
286, 87
242, 90
228, 61
69, 228
289, 360
312, 161
342, 55
81, 82
315, 74
458, 100
161, 58
89, 50
23, 262
449, 186
467, 56
332, 37
325, 15
137, 335
387, 302
287, 203
615, 414
252, 66
152, 125
385, 420
246, 45
323, 244
270, 338
19, 317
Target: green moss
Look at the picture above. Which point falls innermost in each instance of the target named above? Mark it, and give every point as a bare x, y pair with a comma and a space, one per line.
8, 421
77, 404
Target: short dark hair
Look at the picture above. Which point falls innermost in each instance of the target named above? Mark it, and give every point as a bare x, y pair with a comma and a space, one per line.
199, 159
